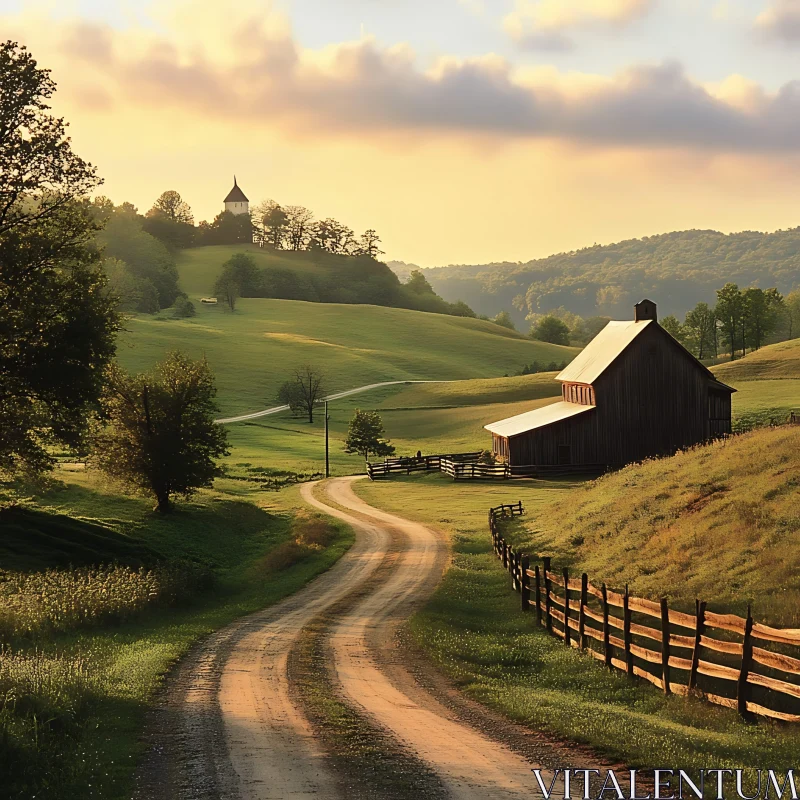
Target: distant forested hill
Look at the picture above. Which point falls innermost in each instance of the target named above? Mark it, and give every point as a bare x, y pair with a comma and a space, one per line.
676, 270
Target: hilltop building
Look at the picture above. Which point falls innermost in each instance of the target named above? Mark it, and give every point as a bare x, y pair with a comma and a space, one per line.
236, 202
634, 392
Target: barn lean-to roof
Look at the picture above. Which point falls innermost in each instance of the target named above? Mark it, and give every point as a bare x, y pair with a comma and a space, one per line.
538, 418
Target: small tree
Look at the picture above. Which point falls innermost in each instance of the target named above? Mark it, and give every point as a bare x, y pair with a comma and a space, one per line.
303, 392
673, 327
159, 435
550, 329
366, 435
368, 244
792, 304
503, 319
227, 288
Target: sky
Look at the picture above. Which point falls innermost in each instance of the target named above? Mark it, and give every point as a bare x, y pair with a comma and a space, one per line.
463, 131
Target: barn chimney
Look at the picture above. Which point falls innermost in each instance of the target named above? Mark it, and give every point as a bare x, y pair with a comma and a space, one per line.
645, 310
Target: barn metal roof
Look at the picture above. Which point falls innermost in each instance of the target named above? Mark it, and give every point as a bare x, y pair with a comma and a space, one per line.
538, 418
602, 351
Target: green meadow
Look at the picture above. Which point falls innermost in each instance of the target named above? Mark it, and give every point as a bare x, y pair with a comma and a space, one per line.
256, 348
474, 630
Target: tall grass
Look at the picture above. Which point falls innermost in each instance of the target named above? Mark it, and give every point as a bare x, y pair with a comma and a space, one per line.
59, 600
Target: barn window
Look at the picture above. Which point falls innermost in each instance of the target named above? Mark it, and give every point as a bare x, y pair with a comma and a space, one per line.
564, 454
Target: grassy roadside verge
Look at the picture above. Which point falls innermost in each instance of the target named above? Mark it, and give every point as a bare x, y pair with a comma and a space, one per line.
72, 702
474, 631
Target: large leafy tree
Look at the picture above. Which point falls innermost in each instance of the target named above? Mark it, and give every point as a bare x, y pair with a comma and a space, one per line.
160, 437
57, 318
173, 207
366, 435
730, 313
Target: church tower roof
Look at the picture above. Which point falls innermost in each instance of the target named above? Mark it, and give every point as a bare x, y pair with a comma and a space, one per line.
235, 195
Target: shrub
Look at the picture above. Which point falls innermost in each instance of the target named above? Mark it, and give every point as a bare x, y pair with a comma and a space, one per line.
183, 308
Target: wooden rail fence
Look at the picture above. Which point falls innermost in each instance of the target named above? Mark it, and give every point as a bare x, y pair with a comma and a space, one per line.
668, 648
457, 465
465, 466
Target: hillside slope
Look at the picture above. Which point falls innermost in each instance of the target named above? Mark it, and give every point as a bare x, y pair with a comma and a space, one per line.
779, 361
721, 522
767, 384
677, 270
253, 350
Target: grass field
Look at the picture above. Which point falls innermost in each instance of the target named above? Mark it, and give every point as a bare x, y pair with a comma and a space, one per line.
253, 350
474, 630
775, 361
75, 694
199, 267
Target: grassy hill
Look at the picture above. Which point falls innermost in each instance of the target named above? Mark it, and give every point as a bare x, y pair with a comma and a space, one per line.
474, 630
774, 362
199, 267
721, 522
253, 350
677, 270
767, 383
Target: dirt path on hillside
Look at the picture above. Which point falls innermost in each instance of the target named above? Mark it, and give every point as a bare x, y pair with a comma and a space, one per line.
232, 723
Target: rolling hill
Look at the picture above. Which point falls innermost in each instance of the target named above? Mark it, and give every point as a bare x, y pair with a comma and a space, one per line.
255, 349
718, 521
677, 270
199, 267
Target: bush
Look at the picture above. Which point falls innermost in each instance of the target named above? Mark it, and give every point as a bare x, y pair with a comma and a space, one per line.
183, 308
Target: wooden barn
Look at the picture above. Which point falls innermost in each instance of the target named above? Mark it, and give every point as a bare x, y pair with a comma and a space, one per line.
632, 393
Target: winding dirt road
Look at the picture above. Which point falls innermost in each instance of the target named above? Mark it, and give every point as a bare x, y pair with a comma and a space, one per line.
231, 726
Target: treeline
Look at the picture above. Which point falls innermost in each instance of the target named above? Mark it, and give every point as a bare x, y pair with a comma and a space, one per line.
354, 279
140, 267
269, 224
740, 320
679, 268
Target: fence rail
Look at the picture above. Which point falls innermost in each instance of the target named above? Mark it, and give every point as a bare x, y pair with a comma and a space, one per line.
666, 647
465, 466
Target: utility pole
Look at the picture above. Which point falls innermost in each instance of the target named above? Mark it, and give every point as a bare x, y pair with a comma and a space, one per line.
327, 461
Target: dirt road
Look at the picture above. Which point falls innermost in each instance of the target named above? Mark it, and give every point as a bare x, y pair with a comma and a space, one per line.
232, 728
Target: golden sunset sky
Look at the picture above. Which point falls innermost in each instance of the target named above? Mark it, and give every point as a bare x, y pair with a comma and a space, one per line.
464, 131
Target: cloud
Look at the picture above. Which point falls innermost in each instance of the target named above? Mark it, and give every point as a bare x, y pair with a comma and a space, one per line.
780, 22
254, 75
544, 24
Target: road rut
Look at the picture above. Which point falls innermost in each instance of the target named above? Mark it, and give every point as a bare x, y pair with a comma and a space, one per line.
231, 725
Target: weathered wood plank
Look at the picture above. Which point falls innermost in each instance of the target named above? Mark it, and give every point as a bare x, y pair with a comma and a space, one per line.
642, 606
732, 648
776, 660
647, 655
644, 630
755, 708
780, 635
727, 622
716, 670
784, 687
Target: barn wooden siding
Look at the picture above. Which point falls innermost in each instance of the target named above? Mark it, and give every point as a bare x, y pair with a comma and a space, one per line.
652, 400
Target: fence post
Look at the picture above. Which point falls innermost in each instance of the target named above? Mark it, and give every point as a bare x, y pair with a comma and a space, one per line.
700, 612
538, 596
626, 631
512, 567
548, 619
505, 553
567, 634
665, 648
582, 612
606, 630
525, 563
742, 689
